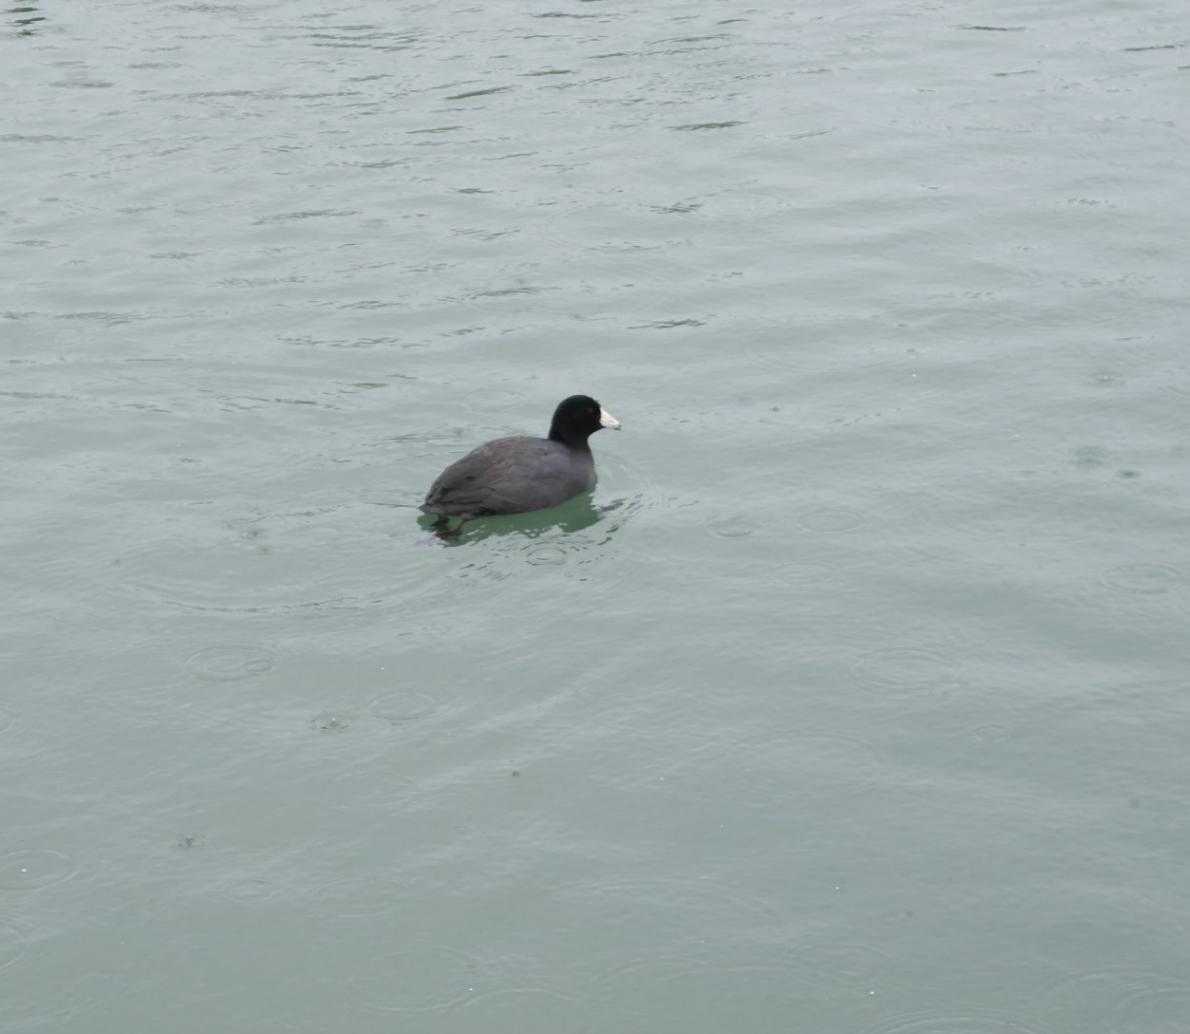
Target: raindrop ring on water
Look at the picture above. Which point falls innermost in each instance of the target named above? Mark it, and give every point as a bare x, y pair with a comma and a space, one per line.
1143, 579
832, 519
13, 946
34, 868
230, 662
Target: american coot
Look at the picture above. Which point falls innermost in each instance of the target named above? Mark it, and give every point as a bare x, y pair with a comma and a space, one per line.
515, 475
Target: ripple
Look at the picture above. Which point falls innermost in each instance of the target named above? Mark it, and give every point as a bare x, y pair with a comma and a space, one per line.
34, 1008
1178, 388
83, 84
671, 902
241, 574
634, 491
782, 764
495, 400
688, 989
623, 981
905, 667
426, 979
950, 521
839, 966
1104, 377
34, 868
992, 733
1153, 1010
804, 572
1143, 579
403, 705
732, 527
446, 446
1128, 999
545, 556
248, 525
6, 721
248, 892
230, 662
359, 897
831, 519
13, 946
331, 722
1089, 457
32, 1004
391, 794
772, 349
527, 1009
960, 1023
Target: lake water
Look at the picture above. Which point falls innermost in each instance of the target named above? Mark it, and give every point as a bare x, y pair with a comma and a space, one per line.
854, 699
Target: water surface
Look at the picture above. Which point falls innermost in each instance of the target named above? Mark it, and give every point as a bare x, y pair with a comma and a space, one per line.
853, 699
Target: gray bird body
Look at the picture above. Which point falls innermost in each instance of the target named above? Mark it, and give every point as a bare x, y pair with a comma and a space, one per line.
520, 474
511, 475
